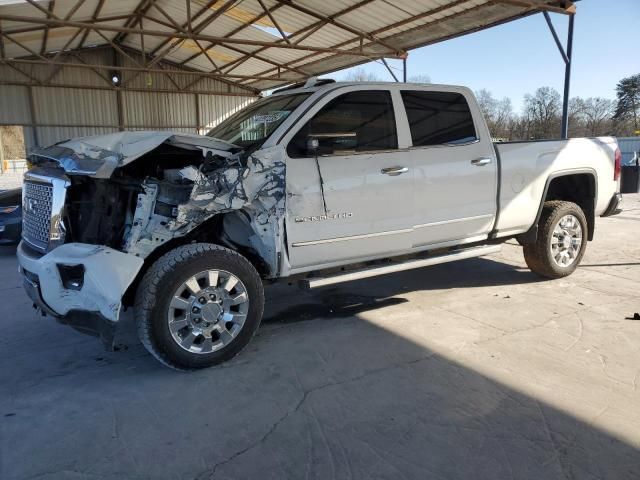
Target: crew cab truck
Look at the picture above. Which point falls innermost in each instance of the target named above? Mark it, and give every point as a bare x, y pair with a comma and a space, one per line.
322, 182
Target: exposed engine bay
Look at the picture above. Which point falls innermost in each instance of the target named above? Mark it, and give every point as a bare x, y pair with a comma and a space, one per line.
178, 187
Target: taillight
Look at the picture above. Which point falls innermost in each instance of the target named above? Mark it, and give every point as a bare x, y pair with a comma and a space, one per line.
617, 167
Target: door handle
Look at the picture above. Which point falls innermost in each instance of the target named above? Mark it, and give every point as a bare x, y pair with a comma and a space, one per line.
394, 171
481, 162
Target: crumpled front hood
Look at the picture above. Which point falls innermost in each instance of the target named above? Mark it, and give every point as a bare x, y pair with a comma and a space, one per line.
99, 155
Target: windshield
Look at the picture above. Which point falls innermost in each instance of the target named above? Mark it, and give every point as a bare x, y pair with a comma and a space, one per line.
251, 126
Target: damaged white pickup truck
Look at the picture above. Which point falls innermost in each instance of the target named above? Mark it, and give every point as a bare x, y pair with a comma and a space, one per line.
325, 181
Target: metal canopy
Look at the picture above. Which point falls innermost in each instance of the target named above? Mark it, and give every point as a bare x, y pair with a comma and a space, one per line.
255, 44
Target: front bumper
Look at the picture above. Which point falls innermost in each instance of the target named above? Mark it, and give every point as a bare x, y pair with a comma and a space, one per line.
614, 206
91, 305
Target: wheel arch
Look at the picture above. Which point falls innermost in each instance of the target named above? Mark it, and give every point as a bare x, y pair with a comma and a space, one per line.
577, 185
210, 231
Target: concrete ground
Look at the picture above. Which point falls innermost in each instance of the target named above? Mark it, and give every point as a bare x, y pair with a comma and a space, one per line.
476, 370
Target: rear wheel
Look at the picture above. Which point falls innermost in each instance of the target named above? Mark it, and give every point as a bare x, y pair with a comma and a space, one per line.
561, 242
198, 306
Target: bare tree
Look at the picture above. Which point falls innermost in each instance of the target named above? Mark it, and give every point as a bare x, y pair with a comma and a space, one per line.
497, 113
361, 75
542, 113
422, 78
503, 118
486, 102
598, 112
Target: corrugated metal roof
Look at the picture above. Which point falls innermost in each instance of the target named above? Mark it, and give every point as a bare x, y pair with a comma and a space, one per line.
242, 37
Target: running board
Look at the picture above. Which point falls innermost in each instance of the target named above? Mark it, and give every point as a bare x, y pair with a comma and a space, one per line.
316, 282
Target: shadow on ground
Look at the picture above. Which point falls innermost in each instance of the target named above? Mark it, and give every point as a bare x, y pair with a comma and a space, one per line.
333, 397
360, 296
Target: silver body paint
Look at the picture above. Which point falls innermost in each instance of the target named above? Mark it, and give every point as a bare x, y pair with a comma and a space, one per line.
339, 209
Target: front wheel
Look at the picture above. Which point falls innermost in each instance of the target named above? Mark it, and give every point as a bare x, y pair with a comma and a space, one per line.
561, 242
198, 306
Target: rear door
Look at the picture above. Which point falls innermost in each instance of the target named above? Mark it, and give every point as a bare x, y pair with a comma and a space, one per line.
455, 168
354, 199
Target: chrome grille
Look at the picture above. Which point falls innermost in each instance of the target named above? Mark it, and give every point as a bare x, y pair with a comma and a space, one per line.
36, 214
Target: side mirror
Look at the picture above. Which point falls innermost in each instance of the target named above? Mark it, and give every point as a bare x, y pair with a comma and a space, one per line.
313, 145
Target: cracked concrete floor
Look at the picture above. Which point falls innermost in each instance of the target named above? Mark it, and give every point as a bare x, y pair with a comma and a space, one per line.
471, 370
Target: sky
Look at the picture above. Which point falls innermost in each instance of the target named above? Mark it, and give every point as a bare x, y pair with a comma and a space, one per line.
518, 57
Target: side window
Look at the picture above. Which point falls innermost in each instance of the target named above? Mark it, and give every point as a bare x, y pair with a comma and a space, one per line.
353, 122
437, 118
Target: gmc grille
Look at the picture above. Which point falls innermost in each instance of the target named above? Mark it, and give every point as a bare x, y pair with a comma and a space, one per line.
36, 214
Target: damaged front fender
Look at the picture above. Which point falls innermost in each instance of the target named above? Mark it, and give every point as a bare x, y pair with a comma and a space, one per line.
255, 185
173, 200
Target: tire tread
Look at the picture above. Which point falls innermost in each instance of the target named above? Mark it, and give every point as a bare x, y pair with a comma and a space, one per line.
147, 292
536, 255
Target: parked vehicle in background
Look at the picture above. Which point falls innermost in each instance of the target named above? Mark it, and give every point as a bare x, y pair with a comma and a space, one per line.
324, 182
10, 216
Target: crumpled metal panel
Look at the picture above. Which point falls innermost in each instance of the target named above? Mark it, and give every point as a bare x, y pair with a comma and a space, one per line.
99, 156
108, 274
255, 186
229, 183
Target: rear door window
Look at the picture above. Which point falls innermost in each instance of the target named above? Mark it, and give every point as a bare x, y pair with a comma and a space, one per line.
360, 121
437, 118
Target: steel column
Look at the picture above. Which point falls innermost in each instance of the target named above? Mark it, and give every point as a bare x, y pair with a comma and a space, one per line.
32, 115
567, 81
566, 58
389, 69
1, 154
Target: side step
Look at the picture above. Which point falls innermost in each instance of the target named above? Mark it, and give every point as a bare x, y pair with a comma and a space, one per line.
316, 282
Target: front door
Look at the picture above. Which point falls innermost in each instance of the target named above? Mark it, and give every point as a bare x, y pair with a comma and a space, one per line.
351, 198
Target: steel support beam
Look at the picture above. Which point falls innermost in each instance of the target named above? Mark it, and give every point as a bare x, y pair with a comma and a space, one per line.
34, 83
273, 20
141, 9
186, 36
1, 154
384, 62
197, 29
302, 61
567, 80
94, 17
566, 58
332, 21
234, 31
223, 77
45, 37
33, 116
569, 9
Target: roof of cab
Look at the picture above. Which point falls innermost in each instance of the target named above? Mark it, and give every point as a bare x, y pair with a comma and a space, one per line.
312, 86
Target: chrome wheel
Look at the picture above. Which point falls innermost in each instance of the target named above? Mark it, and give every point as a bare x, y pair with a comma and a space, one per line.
566, 241
208, 311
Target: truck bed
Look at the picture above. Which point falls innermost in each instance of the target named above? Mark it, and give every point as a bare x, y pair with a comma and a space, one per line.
527, 168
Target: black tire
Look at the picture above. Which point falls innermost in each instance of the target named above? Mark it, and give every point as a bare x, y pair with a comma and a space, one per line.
156, 291
538, 255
